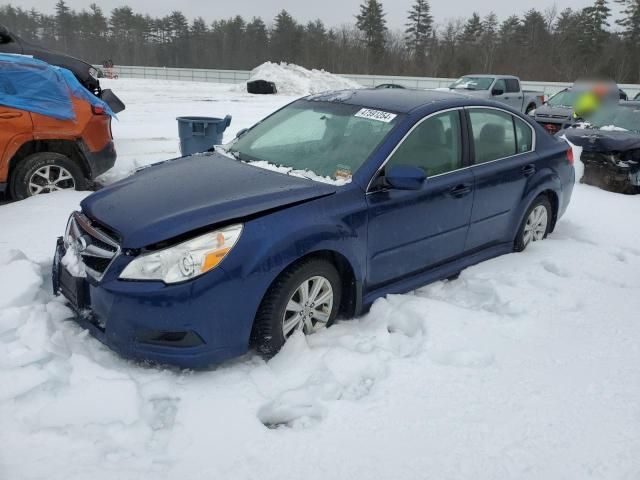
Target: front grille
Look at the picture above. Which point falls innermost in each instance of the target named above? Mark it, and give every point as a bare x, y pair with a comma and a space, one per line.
94, 246
546, 115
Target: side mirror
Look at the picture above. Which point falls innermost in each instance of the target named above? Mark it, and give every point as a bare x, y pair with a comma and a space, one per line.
405, 177
497, 92
241, 132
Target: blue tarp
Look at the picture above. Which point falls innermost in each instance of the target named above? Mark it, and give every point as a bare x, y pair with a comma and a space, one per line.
35, 86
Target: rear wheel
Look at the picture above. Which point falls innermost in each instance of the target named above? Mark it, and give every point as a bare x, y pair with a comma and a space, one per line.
46, 172
536, 223
305, 297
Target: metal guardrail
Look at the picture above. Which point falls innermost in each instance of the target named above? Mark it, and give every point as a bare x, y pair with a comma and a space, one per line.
241, 76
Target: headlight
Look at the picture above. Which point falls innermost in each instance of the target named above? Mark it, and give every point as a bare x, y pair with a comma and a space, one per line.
186, 260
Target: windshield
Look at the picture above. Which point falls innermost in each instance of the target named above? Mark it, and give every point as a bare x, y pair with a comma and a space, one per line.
617, 117
473, 83
325, 141
565, 98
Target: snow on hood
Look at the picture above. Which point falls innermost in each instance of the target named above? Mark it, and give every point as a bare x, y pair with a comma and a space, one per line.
613, 128
293, 79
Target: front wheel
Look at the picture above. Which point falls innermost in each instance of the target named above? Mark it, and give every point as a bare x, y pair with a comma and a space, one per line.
536, 223
305, 297
45, 172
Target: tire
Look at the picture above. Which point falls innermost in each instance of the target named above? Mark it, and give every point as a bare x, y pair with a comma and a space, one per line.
536, 223
530, 108
269, 333
31, 170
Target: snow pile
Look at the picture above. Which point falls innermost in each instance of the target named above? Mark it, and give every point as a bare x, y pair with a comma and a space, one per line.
293, 79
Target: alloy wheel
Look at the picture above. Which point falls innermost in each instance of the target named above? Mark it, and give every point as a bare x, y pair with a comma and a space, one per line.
51, 178
309, 308
536, 226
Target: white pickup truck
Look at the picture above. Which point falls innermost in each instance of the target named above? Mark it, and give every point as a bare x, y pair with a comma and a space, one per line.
501, 88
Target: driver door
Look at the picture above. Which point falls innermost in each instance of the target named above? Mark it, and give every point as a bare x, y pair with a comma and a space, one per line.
410, 231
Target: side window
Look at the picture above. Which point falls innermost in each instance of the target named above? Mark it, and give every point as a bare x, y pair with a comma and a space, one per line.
500, 85
434, 145
513, 85
493, 134
524, 135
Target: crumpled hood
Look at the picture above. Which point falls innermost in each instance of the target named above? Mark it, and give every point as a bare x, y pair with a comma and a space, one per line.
178, 196
594, 140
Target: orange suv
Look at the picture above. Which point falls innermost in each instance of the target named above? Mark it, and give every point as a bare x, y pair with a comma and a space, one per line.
42, 154
54, 131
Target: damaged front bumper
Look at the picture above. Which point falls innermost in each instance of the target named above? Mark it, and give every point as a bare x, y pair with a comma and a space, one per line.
611, 159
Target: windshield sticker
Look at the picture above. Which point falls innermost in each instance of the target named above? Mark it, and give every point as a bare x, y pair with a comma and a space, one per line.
377, 115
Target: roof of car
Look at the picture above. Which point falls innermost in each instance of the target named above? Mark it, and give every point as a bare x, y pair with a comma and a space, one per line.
489, 75
391, 99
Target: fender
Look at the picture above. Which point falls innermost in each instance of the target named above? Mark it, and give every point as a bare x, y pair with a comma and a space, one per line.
261, 256
10, 151
545, 179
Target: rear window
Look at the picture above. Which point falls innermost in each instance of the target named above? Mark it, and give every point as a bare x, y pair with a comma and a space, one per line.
493, 134
513, 85
524, 135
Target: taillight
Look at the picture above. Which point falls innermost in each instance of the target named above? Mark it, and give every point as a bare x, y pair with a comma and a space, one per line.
97, 110
570, 158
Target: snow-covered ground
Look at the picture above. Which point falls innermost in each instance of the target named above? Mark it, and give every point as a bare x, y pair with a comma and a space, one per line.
526, 367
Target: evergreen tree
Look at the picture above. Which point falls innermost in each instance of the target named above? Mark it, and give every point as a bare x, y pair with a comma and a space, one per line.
257, 42
285, 38
630, 21
472, 31
372, 24
64, 23
419, 30
489, 41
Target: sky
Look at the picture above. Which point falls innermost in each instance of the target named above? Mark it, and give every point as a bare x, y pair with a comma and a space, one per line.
332, 12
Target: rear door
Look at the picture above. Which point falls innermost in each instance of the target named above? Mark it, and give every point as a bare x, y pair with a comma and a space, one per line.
513, 94
413, 230
504, 158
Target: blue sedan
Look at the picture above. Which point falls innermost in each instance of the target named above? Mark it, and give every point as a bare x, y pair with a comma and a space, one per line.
329, 203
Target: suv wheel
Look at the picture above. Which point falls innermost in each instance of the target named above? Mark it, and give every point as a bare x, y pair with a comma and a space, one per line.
305, 297
536, 223
46, 172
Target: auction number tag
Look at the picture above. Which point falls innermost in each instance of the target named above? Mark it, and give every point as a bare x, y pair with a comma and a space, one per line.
377, 115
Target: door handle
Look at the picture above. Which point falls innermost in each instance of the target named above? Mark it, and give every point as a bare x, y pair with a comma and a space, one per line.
460, 191
529, 170
506, 98
10, 115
